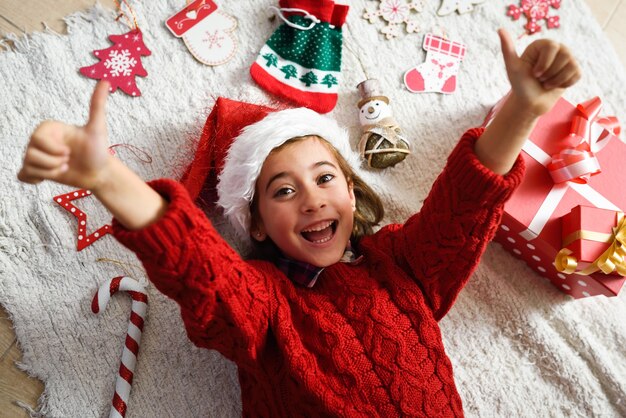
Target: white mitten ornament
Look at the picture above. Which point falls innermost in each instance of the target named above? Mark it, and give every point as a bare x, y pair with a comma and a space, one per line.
438, 73
207, 32
382, 143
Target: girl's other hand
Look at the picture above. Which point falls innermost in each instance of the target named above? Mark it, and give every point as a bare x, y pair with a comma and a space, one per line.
72, 155
541, 74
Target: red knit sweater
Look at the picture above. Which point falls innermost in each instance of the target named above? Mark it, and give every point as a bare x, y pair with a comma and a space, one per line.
364, 341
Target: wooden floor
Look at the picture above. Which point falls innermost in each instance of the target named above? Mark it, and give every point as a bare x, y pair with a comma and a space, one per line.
26, 16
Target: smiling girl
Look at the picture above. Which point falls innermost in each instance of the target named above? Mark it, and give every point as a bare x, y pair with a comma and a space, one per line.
340, 321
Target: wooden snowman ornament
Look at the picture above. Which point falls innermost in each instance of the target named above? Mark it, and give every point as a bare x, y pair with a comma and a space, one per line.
382, 143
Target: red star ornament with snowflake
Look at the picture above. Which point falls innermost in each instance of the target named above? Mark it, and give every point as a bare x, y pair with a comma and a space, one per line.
535, 11
120, 63
84, 240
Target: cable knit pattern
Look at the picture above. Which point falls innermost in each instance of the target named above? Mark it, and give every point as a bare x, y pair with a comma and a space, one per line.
364, 341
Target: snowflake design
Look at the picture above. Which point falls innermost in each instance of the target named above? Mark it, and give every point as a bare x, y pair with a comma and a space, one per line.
120, 63
395, 13
535, 11
213, 39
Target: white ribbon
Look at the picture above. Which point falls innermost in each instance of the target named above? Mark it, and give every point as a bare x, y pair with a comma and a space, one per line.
596, 132
314, 20
558, 191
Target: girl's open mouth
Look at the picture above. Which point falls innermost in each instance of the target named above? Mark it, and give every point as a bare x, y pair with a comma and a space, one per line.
320, 233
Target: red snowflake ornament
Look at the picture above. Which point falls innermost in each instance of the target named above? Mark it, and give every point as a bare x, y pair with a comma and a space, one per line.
84, 240
120, 63
535, 11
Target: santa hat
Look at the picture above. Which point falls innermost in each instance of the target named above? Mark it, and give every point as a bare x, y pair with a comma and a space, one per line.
236, 140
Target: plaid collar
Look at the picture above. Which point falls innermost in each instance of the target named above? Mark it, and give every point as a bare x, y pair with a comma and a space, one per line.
306, 274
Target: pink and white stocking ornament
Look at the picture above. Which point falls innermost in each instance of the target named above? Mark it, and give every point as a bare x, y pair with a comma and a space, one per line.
438, 73
461, 6
207, 31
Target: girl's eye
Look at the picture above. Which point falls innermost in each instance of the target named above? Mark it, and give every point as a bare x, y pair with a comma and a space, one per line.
283, 192
325, 178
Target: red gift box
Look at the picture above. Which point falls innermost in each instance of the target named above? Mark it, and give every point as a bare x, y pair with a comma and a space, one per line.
531, 224
591, 241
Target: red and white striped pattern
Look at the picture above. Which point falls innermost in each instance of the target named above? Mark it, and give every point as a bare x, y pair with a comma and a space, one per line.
444, 46
133, 336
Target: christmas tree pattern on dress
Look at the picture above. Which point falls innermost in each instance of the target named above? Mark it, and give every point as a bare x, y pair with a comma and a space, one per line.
301, 61
289, 70
329, 80
309, 78
272, 60
120, 63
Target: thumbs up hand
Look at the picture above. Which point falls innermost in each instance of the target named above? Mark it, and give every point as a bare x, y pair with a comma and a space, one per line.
72, 155
541, 74
538, 78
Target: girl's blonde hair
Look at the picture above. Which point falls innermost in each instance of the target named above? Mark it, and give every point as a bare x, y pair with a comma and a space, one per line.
369, 208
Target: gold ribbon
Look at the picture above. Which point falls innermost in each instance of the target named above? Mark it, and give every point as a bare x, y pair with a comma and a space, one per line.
612, 259
588, 235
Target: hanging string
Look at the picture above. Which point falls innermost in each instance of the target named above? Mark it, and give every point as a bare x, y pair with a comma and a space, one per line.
199, 6
356, 56
122, 14
121, 264
439, 31
140, 154
314, 20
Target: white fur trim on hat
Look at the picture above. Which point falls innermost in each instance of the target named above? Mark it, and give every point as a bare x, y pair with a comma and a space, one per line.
249, 150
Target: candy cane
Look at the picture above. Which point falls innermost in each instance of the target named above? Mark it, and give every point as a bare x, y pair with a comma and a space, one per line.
133, 336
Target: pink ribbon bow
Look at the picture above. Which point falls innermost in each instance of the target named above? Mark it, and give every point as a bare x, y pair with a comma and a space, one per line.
578, 163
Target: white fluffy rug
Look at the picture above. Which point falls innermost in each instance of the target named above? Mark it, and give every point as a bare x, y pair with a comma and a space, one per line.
519, 347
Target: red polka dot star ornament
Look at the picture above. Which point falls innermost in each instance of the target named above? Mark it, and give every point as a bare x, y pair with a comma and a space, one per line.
83, 239
120, 63
65, 201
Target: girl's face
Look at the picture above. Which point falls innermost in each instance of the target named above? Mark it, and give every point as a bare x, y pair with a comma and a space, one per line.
305, 203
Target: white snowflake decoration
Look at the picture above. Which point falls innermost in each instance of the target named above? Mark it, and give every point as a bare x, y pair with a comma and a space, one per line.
462, 6
395, 13
120, 62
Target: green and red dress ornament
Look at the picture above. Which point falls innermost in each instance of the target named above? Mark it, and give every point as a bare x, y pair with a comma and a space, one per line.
120, 63
301, 61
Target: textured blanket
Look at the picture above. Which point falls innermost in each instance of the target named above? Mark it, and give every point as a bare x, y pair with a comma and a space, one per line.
519, 347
